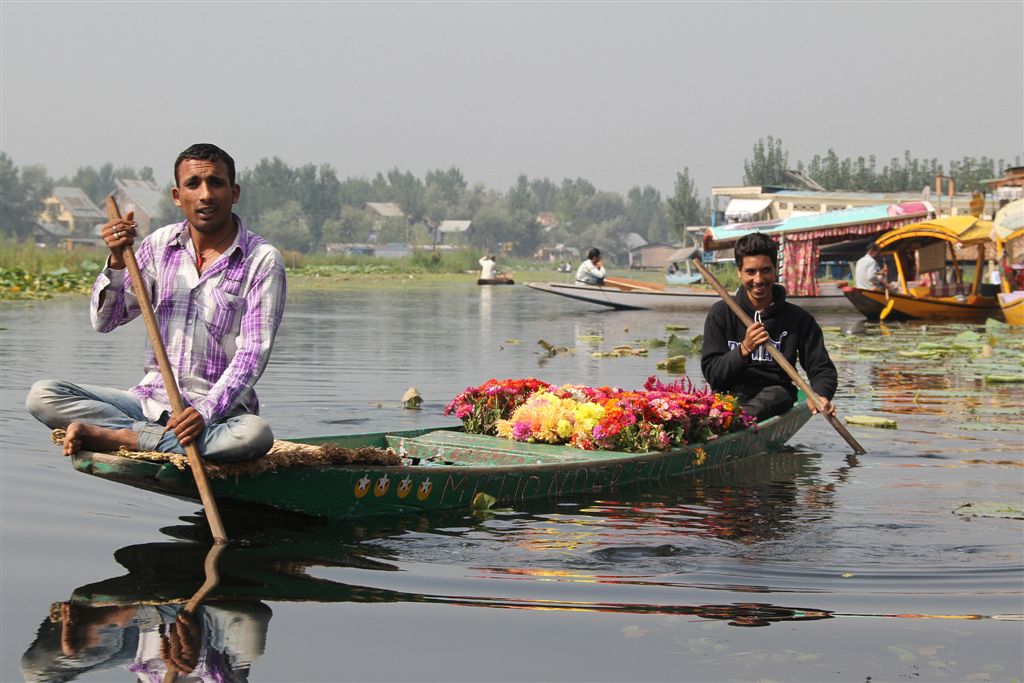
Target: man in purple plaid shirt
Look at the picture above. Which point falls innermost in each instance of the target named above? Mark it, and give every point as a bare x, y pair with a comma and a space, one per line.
218, 291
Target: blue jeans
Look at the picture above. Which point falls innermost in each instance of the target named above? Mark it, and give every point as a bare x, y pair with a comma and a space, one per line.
55, 403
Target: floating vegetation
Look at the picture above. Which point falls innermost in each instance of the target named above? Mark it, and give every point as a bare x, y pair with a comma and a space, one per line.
673, 364
589, 338
1004, 379
553, 350
870, 421
670, 328
620, 351
990, 509
17, 283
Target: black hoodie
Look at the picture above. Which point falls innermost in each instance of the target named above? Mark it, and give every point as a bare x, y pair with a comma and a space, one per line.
793, 330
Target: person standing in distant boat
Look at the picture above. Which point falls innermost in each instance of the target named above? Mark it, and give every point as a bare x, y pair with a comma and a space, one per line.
488, 267
591, 271
733, 357
869, 274
218, 292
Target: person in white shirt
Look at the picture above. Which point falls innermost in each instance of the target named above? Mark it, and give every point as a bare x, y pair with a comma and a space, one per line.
488, 268
868, 273
591, 271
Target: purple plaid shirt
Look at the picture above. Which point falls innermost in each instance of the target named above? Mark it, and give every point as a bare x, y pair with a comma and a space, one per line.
218, 328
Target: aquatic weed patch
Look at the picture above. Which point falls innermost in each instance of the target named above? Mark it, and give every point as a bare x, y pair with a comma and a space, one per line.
19, 284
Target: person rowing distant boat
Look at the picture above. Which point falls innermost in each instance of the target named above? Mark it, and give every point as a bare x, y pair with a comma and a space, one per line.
591, 271
219, 294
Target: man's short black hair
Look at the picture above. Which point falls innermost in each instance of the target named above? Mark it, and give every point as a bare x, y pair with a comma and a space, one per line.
872, 246
204, 151
756, 244
593, 254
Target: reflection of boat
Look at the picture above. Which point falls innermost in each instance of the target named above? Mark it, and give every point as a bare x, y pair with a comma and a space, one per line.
446, 468
1008, 234
496, 281
931, 248
831, 297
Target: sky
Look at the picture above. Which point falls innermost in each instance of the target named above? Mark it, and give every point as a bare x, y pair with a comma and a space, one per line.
621, 94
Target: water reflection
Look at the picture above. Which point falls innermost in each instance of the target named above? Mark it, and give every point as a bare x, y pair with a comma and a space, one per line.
124, 623
144, 622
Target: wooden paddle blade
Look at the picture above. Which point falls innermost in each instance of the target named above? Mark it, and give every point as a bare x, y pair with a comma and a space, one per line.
887, 310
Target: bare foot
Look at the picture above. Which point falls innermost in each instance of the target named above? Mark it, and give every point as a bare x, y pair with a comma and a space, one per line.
80, 435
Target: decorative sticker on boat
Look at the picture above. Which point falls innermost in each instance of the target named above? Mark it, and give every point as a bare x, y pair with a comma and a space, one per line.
404, 487
423, 492
382, 486
362, 486
401, 450
700, 456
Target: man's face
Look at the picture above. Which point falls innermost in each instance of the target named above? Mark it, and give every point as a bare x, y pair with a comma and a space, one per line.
205, 195
757, 275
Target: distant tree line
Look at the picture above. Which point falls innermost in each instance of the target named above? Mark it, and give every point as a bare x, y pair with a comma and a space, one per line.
306, 207
770, 161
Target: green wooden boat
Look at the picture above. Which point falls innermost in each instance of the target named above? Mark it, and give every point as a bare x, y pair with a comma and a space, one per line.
450, 469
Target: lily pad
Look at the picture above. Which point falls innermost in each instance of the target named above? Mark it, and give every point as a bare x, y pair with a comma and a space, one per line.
990, 509
870, 421
675, 364
1004, 379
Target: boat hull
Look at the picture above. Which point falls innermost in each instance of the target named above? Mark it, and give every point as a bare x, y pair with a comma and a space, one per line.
506, 470
871, 302
1012, 305
830, 299
495, 281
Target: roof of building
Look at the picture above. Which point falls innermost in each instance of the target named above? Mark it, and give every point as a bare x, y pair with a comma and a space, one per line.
143, 193
386, 209
77, 202
454, 226
635, 241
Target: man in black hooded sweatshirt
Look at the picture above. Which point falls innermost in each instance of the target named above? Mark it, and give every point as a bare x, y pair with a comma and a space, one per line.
733, 357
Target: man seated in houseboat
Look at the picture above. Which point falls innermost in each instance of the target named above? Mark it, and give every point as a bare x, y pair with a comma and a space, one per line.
734, 358
869, 274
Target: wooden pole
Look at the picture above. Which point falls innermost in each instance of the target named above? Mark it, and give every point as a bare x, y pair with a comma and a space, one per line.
779, 358
170, 383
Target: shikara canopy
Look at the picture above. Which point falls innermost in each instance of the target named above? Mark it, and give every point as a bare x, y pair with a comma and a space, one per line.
959, 230
801, 237
1009, 222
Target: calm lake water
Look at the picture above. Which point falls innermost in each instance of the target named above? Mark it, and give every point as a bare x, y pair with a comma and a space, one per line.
811, 565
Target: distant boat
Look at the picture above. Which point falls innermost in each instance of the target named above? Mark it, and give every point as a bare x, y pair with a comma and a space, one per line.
831, 297
1008, 235
495, 281
682, 278
676, 275
932, 243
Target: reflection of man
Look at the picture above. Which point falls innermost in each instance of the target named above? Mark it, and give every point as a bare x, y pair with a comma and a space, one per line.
869, 274
217, 643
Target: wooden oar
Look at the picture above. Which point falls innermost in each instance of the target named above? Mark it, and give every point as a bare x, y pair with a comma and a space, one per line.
170, 383
779, 358
889, 303
628, 285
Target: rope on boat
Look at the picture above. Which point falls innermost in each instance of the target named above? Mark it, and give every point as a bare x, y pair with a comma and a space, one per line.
282, 455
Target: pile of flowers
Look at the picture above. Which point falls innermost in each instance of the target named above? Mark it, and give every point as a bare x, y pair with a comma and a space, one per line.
657, 417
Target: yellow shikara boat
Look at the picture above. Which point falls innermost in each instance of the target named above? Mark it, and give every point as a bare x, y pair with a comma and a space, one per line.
934, 247
1008, 235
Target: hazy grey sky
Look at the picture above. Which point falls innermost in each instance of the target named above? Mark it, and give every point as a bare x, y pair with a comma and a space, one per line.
620, 94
